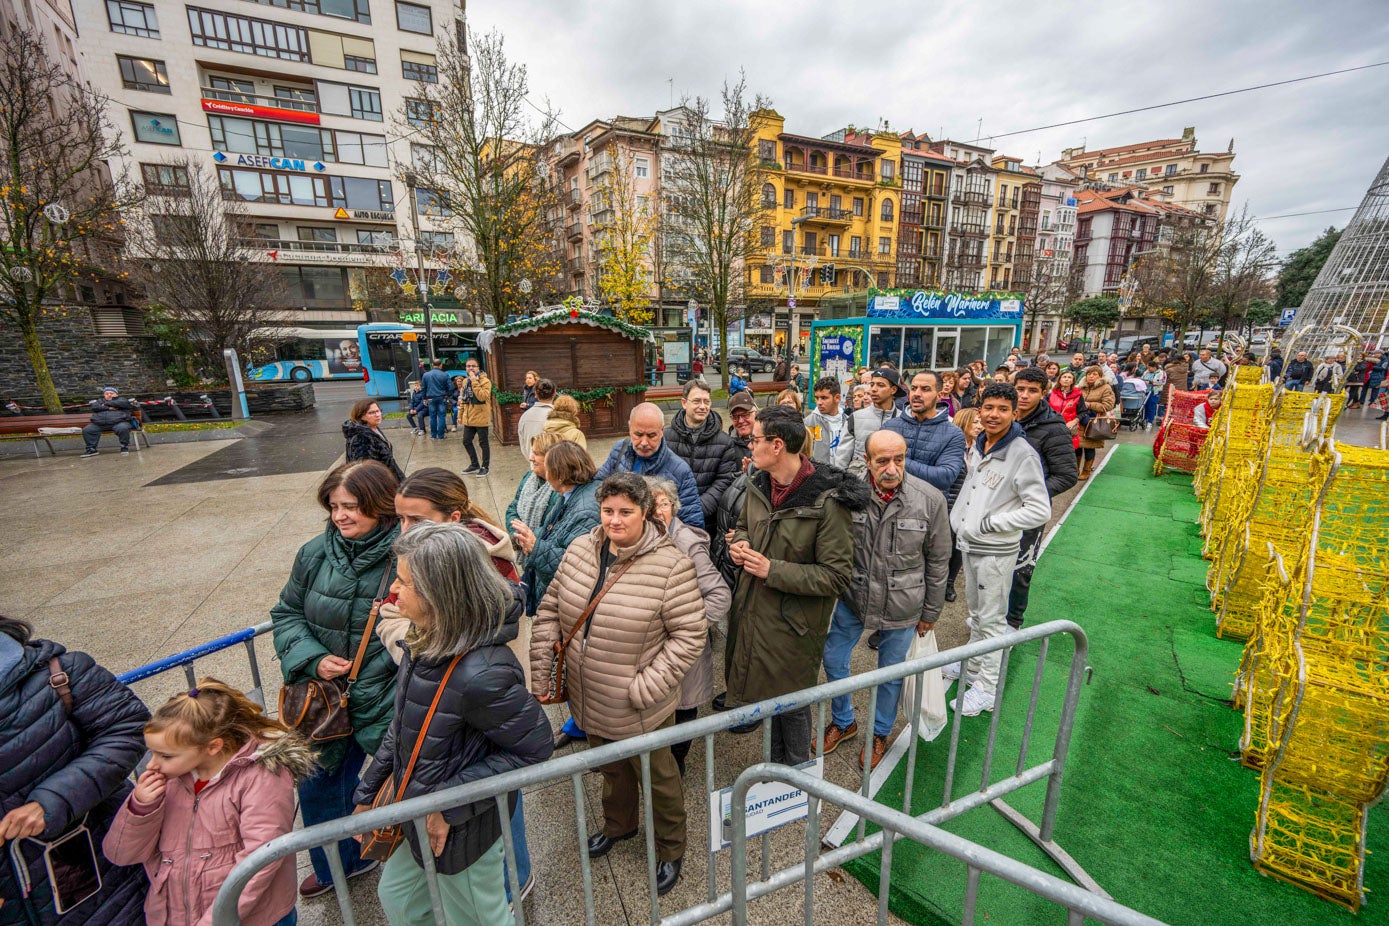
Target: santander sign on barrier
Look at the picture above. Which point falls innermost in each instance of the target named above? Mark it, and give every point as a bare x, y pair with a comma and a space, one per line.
224, 108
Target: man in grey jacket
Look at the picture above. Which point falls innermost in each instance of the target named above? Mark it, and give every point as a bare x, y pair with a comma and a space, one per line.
901, 557
1005, 493
827, 425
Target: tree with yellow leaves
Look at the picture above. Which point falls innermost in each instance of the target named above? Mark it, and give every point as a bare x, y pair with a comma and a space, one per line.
59, 210
625, 226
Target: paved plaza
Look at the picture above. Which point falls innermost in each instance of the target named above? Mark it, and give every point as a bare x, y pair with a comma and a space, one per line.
134, 557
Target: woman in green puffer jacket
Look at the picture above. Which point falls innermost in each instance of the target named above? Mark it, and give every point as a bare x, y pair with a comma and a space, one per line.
319, 622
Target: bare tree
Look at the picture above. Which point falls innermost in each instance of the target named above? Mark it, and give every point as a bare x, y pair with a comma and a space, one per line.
1244, 269
60, 211
712, 200
193, 256
480, 144
1177, 282
1053, 286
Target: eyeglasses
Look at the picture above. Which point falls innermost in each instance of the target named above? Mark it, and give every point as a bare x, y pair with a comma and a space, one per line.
757, 437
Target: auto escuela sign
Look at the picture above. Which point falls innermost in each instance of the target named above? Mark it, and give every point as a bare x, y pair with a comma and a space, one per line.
930, 304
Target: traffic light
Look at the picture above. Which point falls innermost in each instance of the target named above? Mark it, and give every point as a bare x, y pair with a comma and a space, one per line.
827, 275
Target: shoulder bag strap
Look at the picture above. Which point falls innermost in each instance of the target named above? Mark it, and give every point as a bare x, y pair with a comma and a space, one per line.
593, 605
371, 622
61, 683
424, 727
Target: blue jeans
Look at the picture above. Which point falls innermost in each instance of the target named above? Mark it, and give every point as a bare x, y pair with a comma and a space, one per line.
523, 852
438, 417
845, 630
328, 796
290, 919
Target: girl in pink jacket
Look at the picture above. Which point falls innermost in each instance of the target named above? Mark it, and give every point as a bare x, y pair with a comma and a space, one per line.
220, 784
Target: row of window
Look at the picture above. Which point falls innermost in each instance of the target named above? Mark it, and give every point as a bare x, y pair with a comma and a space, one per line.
270, 231
273, 139
812, 201
811, 242
306, 190
131, 17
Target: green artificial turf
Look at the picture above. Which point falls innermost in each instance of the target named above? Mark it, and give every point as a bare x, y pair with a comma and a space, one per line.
1155, 804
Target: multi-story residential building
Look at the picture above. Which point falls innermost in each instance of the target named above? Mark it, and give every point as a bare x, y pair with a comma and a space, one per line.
1051, 284
1014, 231
1173, 167
292, 104
921, 226
831, 206
971, 210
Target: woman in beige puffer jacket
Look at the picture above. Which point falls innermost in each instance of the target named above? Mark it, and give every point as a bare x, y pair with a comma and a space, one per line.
624, 669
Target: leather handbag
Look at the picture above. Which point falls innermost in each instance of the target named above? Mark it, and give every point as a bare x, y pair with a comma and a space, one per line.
557, 688
1100, 428
317, 707
378, 844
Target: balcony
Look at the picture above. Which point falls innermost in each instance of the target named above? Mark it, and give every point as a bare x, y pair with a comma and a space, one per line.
968, 229
252, 99
826, 215
801, 167
574, 267
970, 197
968, 261
911, 217
574, 200
568, 158
315, 247
575, 231
848, 173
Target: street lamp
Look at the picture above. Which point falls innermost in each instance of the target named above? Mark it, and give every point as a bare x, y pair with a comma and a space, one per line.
411, 185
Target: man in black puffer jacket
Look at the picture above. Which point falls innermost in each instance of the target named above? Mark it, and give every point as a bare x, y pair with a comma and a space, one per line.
696, 436
109, 413
486, 722
1048, 434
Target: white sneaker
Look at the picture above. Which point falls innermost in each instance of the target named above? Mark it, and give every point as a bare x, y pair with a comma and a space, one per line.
951, 673
975, 702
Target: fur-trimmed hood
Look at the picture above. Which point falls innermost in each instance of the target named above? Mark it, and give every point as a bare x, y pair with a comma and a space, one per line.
288, 751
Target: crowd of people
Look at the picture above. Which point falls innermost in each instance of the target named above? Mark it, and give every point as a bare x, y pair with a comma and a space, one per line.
774, 542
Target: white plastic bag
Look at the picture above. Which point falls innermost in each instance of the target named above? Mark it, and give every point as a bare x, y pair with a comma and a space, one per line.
933, 718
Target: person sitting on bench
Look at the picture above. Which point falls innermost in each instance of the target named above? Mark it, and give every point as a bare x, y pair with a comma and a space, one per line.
109, 413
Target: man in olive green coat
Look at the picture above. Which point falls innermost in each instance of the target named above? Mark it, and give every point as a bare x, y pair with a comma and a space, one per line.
795, 545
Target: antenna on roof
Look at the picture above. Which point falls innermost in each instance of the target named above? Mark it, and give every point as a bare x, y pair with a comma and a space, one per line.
979, 130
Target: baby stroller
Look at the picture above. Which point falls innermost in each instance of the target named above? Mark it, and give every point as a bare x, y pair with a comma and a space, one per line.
1131, 402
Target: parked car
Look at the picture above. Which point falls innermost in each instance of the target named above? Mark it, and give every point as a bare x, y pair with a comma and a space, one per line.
1131, 343
750, 359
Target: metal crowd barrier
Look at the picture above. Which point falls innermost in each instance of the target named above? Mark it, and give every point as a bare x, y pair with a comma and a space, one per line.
716, 903
185, 660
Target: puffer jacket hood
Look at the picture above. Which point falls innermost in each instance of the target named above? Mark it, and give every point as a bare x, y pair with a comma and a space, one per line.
190, 840
1046, 431
711, 455
74, 766
935, 448
624, 670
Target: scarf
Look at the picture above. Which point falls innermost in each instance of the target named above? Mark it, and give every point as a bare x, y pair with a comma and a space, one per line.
782, 492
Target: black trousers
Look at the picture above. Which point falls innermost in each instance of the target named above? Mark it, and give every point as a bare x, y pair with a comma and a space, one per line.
481, 433
1022, 576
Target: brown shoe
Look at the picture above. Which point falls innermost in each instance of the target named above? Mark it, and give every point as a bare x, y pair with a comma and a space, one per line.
1085, 469
835, 734
879, 750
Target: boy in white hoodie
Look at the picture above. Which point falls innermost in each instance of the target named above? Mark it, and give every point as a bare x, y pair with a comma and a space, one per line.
1004, 494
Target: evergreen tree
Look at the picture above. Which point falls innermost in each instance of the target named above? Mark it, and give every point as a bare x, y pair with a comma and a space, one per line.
1301, 268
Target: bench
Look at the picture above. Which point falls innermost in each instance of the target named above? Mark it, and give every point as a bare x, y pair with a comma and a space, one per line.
661, 393
43, 427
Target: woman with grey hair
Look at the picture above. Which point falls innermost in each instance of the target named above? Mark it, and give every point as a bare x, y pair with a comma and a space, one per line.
697, 687
628, 601
457, 664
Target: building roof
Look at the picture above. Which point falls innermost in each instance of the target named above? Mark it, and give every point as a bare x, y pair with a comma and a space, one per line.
1120, 149
810, 142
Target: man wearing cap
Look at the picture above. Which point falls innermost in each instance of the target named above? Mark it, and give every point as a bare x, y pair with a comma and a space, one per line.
741, 411
885, 388
109, 413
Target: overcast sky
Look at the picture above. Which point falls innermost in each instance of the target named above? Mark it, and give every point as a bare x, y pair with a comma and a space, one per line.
943, 65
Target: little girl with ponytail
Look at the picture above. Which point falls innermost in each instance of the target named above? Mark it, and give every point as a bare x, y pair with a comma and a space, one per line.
219, 784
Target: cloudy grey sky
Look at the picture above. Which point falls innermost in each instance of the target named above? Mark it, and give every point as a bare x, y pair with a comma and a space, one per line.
933, 65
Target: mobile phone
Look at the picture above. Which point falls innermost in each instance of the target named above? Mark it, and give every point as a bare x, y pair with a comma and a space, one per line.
72, 869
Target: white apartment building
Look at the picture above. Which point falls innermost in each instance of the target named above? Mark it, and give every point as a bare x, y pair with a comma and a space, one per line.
295, 105
1056, 231
971, 213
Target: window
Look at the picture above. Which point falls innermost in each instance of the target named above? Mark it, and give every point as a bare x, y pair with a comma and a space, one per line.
1204, 168
765, 274
421, 113
155, 128
245, 88
1167, 189
248, 36
412, 18
834, 245
365, 103
266, 231
143, 74
360, 148
309, 233
174, 229
788, 242
766, 150
361, 193
418, 70
1213, 190
768, 236
1142, 173
882, 279
1210, 208
359, 63
131, 18
769, 196
888, 169
357, 10
316, 284
788, 198
1113, 178
431, 203
643, 171
812, 200
858, 206
1171, 169
887, 210
424, 157
856, 246
380, 239
884, 245
295, 94
436, 241
836, 202
165, 179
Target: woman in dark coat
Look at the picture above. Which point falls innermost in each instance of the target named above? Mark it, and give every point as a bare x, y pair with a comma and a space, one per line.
365, 440
319, 621
62, 765
486, 723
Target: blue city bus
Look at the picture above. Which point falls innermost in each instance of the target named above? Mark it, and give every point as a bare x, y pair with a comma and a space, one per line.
303, 355
392, 354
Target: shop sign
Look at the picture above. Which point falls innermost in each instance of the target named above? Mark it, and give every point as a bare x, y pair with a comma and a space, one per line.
928, 304
770, 805
265, 162
437, 318
370, 215
224, 108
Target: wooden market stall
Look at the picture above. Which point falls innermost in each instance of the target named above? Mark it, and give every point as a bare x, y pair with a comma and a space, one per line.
598, 359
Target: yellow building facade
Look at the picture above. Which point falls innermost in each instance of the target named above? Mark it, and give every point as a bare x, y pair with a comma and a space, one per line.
829, 222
